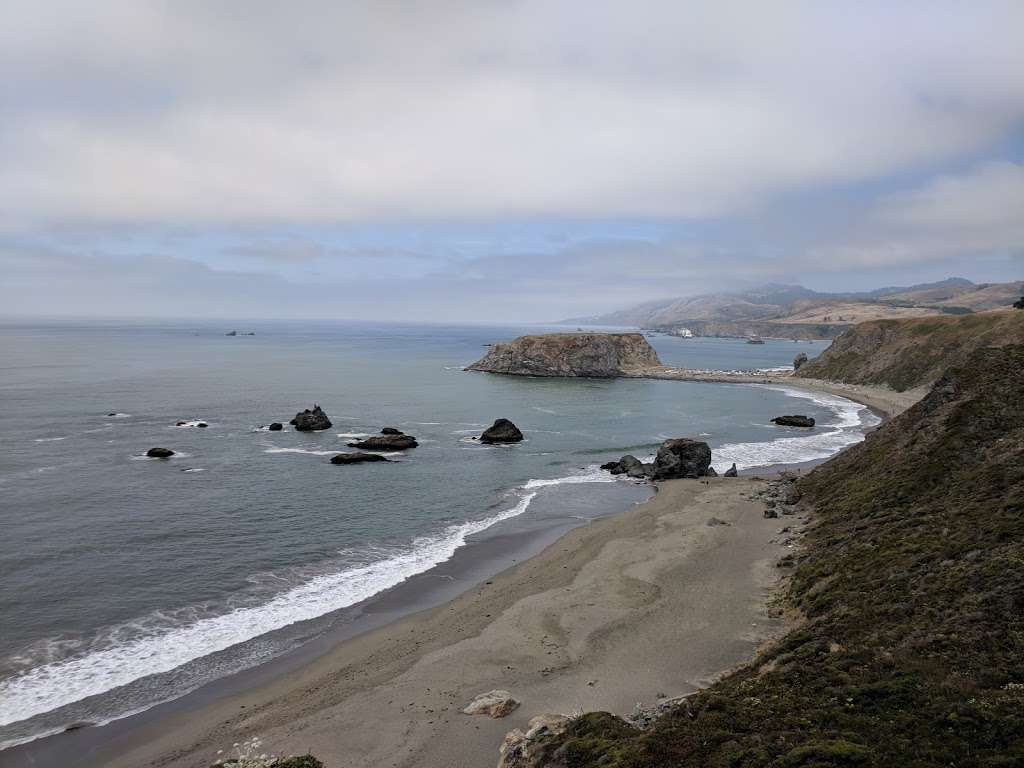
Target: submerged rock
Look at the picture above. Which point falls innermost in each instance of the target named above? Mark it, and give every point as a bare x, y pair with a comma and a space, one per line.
731, 471
681, 457
398, 442
277, 426
311, 420
494, 703
501, 431
356, 458
159, 453
793, 421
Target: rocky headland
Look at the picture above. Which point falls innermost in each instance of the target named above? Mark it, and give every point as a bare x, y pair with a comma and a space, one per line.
591, 355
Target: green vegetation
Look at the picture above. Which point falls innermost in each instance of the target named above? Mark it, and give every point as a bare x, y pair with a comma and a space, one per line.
911, 589
904, 354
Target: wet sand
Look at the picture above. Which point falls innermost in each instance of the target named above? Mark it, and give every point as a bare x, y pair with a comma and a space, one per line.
652, 601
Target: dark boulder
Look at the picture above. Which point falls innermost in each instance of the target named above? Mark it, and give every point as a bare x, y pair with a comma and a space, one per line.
681, 457
356, 458
277, 426
611, 466
710, 472
202, 425
159, 453
391, 431
181, 424
386, 443
501, 431
793, 421
799, 360
311, 420
731, 471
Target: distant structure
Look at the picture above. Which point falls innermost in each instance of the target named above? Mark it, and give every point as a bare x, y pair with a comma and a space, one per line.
684, 333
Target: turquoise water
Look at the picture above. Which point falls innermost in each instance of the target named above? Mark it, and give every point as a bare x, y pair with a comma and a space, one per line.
127, 580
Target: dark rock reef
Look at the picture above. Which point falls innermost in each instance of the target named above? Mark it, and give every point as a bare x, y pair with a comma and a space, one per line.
677, 458
159, 453
400, 442
593, 355
311, 420
356, 458
793, 421
501, 431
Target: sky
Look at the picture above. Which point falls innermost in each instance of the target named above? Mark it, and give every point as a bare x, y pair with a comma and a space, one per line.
492, 161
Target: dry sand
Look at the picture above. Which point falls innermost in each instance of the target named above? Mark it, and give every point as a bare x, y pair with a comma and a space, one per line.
653, 601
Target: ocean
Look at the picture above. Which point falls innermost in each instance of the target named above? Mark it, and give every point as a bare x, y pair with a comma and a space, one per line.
127, 581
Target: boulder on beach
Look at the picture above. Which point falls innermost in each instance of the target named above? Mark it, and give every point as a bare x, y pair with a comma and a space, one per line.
276, 426
681, 457
731, 471
391, 431
710, 472
493, 703
630, 466
501, 431
311, 420
793, 421
386, 443
159, 453
356, 458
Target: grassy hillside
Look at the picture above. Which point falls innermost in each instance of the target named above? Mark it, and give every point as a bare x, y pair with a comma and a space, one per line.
904, 354
911, 651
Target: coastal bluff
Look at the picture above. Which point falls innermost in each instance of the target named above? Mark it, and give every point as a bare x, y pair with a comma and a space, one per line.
587, 355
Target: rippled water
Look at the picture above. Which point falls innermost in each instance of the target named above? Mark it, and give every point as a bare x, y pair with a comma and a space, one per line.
126, 580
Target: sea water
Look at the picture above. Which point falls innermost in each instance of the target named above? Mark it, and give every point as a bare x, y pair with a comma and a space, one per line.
125, 581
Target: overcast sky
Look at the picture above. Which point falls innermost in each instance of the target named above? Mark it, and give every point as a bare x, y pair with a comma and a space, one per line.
499, 160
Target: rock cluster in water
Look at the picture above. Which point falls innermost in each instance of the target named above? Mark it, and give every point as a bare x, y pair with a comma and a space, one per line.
392, 440
357, 457
311, 420
793, 421
676, 458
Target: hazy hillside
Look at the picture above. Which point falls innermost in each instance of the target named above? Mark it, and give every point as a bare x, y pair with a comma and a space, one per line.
909, 649
904, 354
792, 311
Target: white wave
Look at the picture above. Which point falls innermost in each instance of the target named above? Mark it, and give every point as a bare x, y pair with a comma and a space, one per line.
194, 469
846, 429
300, 450
119, 416
49, 439
192, 423
592, 475
56, 684
354, 435
777, 369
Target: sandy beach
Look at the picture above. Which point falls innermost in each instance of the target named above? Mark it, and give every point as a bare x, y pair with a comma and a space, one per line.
652, 602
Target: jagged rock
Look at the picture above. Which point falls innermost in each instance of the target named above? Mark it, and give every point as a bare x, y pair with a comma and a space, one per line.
391, 431
159, 453
519, 748
710, 472
681, 457
386, 443
799, 360
311, 420
793, 421
277, 426
596, 355
493, 703
356, 458
611, 466
731, 471
501, 431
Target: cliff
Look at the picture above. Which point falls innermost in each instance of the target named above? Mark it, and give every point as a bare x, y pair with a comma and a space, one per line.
911, 594
592, 355
904, 354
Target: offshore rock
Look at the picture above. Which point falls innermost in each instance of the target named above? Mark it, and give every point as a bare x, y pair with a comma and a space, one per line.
682, 457
592, 355
159, 453
356, 458
391, 431
793, 421
276, 426
501, 431
311, 420
386, 443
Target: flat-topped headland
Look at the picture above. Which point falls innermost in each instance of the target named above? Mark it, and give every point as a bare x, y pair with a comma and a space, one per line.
587, 355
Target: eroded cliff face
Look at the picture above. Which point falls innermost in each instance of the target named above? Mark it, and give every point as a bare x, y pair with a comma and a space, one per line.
592, 355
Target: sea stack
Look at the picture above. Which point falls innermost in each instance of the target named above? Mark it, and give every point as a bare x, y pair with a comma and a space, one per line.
311, 420
501, 431
590, 355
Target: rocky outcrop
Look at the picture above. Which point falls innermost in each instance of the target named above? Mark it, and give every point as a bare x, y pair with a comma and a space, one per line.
276, 426
630, 466
731, 471
681, 457
793, 421
356, 458
501, 431
493, 703
799, 360
593, 355
522, 748
311, 420
159, 453
400, 442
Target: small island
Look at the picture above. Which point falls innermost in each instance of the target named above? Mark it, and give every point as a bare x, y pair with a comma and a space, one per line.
588, 355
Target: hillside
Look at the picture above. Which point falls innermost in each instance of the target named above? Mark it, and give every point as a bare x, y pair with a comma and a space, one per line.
792, 311
904, 354
910, 646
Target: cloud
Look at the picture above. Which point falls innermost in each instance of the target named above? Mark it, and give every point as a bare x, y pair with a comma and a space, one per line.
130, 111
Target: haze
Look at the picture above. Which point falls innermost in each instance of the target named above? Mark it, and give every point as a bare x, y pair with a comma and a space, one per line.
487, 161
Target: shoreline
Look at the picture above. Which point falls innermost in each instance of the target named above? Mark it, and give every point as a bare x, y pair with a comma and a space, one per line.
403, 603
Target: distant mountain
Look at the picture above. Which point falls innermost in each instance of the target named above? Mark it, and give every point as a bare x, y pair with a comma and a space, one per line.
792, 311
